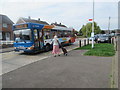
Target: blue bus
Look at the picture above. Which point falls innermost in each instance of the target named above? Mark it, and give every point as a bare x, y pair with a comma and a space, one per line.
33, 37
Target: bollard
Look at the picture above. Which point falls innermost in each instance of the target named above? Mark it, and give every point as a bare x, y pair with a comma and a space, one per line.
88, 41
116, 42
116, 45
84, 42
112, 41
79, 43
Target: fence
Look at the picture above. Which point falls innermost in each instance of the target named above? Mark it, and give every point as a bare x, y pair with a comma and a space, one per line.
6, 44
84, 42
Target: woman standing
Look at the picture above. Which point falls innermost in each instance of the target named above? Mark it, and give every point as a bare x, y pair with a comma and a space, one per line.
56, 49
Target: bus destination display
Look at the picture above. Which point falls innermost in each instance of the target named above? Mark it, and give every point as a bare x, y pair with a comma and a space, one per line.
21, 26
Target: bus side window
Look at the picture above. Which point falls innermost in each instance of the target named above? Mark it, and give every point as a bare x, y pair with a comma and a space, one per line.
40, 34
35, 34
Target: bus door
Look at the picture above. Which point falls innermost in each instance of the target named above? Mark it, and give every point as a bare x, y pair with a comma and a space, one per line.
36, 41
41, 40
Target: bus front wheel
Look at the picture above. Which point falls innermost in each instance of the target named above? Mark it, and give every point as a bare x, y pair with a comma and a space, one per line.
47, 48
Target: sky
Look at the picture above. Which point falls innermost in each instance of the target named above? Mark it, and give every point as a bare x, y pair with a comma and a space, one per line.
72, 13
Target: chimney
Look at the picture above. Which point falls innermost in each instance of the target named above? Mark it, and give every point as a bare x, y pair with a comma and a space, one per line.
38, 19
29, 17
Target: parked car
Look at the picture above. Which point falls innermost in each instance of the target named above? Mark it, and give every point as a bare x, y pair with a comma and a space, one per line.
112, 34
94, 38
104, 38
117, 34
90, 38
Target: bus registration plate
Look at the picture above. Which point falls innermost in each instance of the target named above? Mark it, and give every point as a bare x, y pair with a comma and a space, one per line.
22, 48
64, 39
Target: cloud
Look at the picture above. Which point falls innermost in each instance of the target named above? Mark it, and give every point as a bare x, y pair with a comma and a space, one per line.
72, 14
61, 0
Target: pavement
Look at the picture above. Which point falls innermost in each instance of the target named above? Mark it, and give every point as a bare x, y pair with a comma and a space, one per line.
72, 71
4, 50
119, 62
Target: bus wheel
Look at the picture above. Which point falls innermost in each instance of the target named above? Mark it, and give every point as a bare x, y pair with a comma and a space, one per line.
69, 42
47, 48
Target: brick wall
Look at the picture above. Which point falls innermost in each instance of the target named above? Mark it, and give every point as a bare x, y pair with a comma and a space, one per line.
8, 29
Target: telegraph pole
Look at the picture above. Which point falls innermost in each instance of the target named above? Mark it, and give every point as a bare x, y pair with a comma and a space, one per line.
109, 25
93, 28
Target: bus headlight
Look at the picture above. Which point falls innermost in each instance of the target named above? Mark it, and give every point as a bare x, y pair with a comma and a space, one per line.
31, 47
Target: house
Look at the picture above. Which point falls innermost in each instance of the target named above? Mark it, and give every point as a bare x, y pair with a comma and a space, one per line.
117, 31
111, 31
25, 20
6, 32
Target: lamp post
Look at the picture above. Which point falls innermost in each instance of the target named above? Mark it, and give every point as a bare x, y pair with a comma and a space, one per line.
86, 31
92, 34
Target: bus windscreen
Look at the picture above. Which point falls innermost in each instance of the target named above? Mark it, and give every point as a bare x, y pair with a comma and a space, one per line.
22, 35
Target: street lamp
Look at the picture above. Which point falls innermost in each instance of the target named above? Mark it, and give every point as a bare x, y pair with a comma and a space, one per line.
92, 34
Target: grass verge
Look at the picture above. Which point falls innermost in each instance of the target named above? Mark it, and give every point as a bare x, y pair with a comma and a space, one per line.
101, 49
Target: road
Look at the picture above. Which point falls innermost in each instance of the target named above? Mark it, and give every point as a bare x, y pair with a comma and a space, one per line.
72, 71
14, 60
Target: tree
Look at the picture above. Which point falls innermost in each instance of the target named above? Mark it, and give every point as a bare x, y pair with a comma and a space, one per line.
112, 31
82, 30
102, 32
80, 33
75, 32
87, 29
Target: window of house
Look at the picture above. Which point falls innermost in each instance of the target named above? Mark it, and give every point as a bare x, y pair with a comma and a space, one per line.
5, 25
7, 36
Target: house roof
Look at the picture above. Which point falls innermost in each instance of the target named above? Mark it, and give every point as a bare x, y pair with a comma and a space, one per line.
24, 20
5, 19
58, 24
